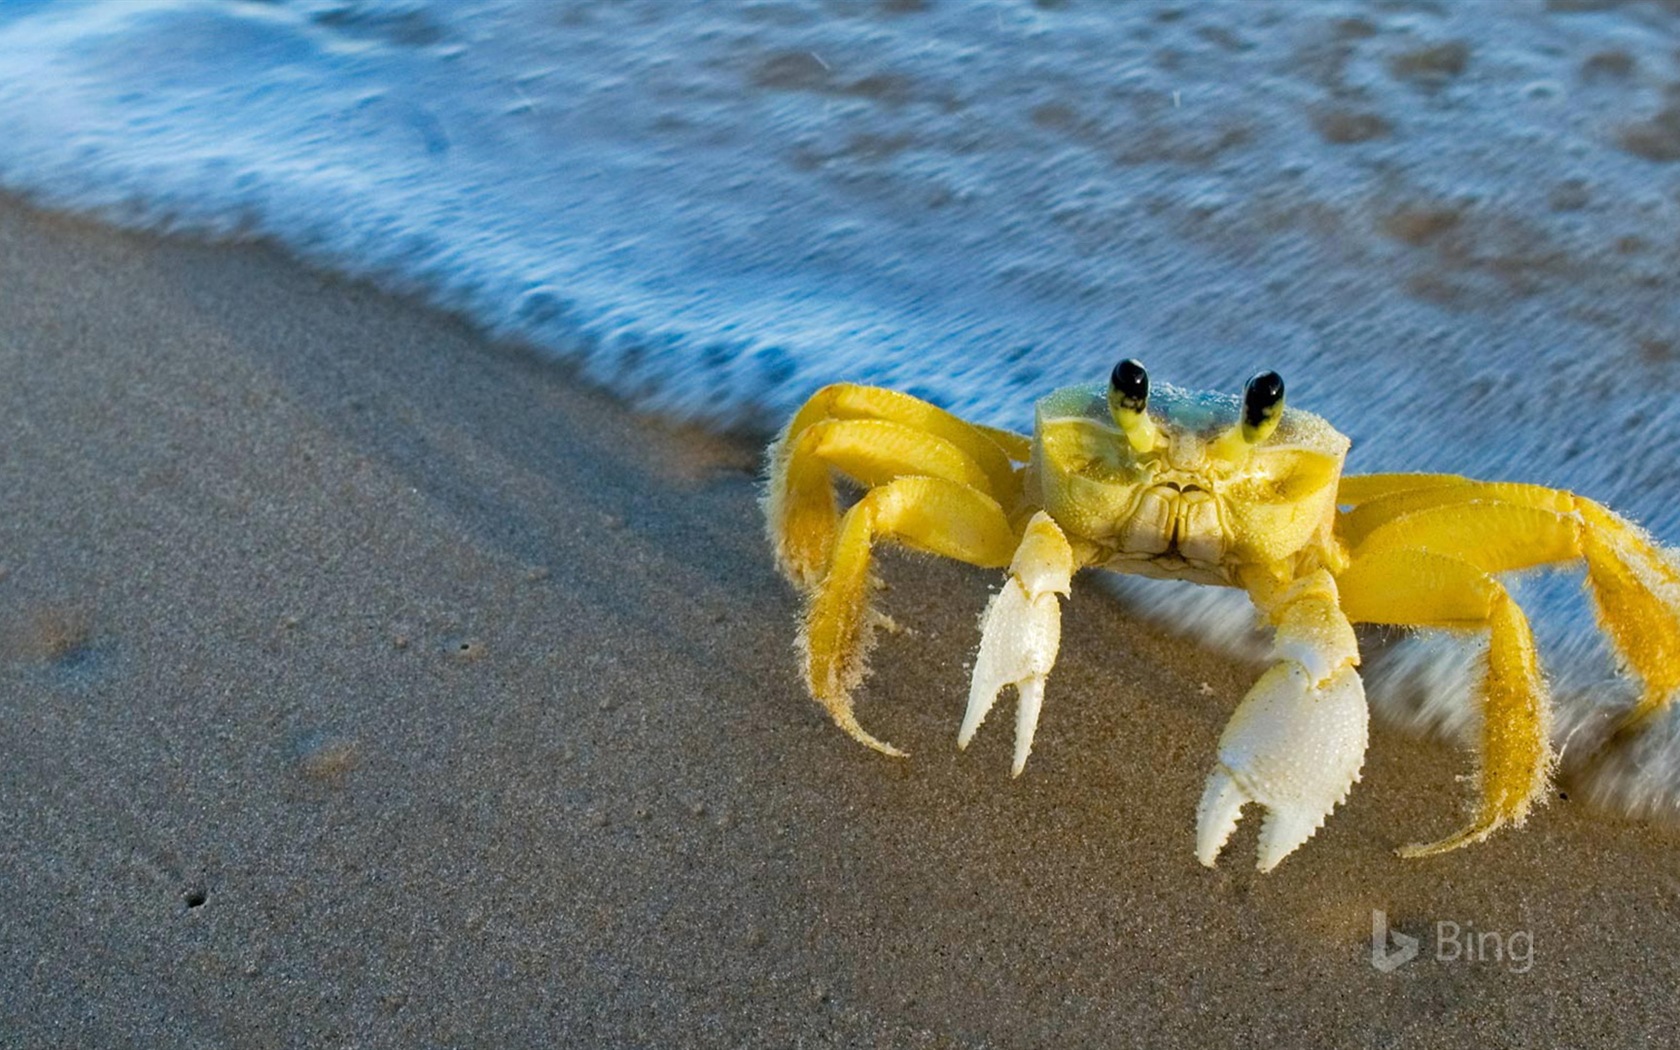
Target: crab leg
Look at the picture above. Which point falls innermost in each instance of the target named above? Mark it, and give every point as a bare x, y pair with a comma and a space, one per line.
1020, 634
1501, 526
1420, 588
1297, 741
1636, 586
871, 435
931, 514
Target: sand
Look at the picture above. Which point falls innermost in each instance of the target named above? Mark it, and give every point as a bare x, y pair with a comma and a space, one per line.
365, 683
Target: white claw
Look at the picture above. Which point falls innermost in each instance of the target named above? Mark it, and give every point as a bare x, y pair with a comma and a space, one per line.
1020, 634
1019, 637
1291, 746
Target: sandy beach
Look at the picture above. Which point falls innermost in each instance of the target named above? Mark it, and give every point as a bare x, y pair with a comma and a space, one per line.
365, 683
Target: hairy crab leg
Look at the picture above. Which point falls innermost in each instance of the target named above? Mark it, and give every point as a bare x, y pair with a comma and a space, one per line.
931, 514
872, 435
1501, 526
1297, 741
852, 401
803, 514
1424, 589
1020, 634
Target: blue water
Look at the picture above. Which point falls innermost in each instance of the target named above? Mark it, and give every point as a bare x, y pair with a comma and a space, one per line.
1452, 227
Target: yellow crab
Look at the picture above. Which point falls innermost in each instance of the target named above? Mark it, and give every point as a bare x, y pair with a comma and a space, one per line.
1216, 489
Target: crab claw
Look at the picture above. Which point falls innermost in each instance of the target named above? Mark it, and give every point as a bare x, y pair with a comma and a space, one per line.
1292, 746
1020, 633
1020, 637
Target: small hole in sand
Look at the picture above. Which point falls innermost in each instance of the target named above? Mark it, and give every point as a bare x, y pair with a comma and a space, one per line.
464, 649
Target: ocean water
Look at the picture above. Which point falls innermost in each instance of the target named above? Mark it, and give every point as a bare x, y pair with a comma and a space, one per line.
1452, 227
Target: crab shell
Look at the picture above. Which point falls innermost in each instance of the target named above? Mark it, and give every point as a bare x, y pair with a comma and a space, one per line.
1185, 510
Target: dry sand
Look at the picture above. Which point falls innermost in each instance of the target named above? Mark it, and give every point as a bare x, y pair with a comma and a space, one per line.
366, 684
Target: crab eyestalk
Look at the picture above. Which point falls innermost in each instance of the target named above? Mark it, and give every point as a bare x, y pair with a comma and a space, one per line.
1128, 397
1262, 408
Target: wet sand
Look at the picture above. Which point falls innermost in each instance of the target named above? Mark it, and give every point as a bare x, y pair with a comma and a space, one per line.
366, 683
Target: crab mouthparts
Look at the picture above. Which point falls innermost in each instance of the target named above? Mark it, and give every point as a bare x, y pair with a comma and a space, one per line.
1176, 520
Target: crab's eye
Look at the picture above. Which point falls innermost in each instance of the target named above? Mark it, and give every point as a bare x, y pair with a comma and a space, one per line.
1128, 396
1130, 385
1262, 407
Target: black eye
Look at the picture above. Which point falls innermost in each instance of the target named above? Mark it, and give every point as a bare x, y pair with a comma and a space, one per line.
1130, 384
1261, 398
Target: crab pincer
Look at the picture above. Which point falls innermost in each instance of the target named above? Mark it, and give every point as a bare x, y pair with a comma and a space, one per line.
1292, 746
1020, 634
1297, 741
